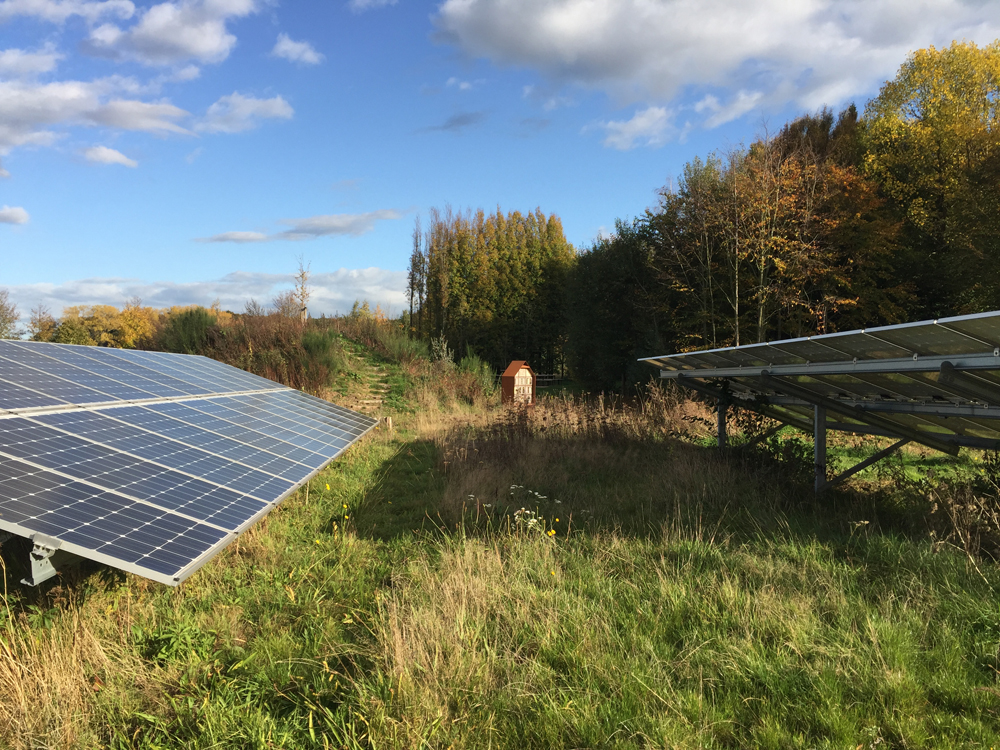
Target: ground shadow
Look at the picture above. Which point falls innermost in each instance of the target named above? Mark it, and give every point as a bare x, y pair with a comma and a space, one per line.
775, 499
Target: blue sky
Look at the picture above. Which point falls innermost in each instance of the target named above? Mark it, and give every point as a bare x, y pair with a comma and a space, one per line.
192, 150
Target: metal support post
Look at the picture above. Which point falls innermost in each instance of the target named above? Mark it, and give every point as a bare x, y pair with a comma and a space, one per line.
819, 446
723, 408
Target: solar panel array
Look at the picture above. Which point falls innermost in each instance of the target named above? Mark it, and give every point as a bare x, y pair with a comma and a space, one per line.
148, 461
937, 380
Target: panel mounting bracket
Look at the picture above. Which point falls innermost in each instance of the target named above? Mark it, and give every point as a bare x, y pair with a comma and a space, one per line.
46, 558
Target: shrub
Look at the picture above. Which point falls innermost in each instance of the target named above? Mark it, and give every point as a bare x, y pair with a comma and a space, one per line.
187, 332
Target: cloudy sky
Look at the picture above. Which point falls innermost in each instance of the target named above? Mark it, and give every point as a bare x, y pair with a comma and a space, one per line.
191, 150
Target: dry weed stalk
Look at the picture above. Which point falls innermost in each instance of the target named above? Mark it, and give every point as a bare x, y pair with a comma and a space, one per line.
48, 677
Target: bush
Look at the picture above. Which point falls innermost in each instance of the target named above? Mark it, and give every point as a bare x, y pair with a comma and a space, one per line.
187, 332
323, 355
483, 377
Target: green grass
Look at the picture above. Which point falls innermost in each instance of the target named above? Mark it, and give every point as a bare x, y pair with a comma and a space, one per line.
687, 599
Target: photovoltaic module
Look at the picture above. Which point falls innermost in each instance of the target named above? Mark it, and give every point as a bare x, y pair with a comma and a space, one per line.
150, 462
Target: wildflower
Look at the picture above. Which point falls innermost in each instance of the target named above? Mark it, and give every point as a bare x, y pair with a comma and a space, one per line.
328, 487
552, 572
557, 520
345, 505
552, 532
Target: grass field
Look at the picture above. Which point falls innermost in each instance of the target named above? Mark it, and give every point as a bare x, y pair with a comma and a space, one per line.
576, 579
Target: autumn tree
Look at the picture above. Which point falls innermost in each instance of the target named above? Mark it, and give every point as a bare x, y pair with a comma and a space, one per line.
41, 325
932, 145
8, 316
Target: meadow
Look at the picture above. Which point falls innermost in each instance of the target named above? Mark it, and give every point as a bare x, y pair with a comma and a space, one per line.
584, 576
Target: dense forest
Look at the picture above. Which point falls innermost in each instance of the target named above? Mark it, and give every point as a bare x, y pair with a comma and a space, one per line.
831, 223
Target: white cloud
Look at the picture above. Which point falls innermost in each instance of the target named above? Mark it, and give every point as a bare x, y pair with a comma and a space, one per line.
239, 237
13, 215
331, 292
105, 155
29, 110
300, 52
359, 6
4, 174
649, 127
16, 63
58, 11
335, 224
738, 105
313, 227
129, 114
459, 84
187, 73
173, 32
235, 113
748, 54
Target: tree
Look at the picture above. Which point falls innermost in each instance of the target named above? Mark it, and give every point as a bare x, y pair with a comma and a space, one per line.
41, 324
254, 309
302, 290
416, 280
612, 317
493, 283
8, 317
136, 325
73, 330
933, 139
286, 304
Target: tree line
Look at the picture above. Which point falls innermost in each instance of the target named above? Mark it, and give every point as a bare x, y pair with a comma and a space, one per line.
831, 223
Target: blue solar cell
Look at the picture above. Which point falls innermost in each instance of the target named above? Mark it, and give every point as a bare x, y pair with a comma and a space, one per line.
249, 431
210, 442
106, 366
19, 353
49, 385
239, 412
168, 452
15, 397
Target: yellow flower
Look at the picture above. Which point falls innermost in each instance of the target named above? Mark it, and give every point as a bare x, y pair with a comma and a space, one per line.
328, 487
552, 532
557, 520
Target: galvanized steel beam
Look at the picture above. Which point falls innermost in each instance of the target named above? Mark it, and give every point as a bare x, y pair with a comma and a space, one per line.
984, 361
853, 412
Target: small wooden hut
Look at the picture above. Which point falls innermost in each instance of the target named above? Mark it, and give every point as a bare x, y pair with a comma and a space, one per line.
517, 384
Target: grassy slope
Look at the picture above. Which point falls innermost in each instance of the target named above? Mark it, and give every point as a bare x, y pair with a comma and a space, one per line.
684, 601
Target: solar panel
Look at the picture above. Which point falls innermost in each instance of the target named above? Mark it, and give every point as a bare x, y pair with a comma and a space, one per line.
150, 462
935, 382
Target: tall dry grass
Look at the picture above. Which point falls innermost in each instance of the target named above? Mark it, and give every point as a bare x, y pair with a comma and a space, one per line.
47, 680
